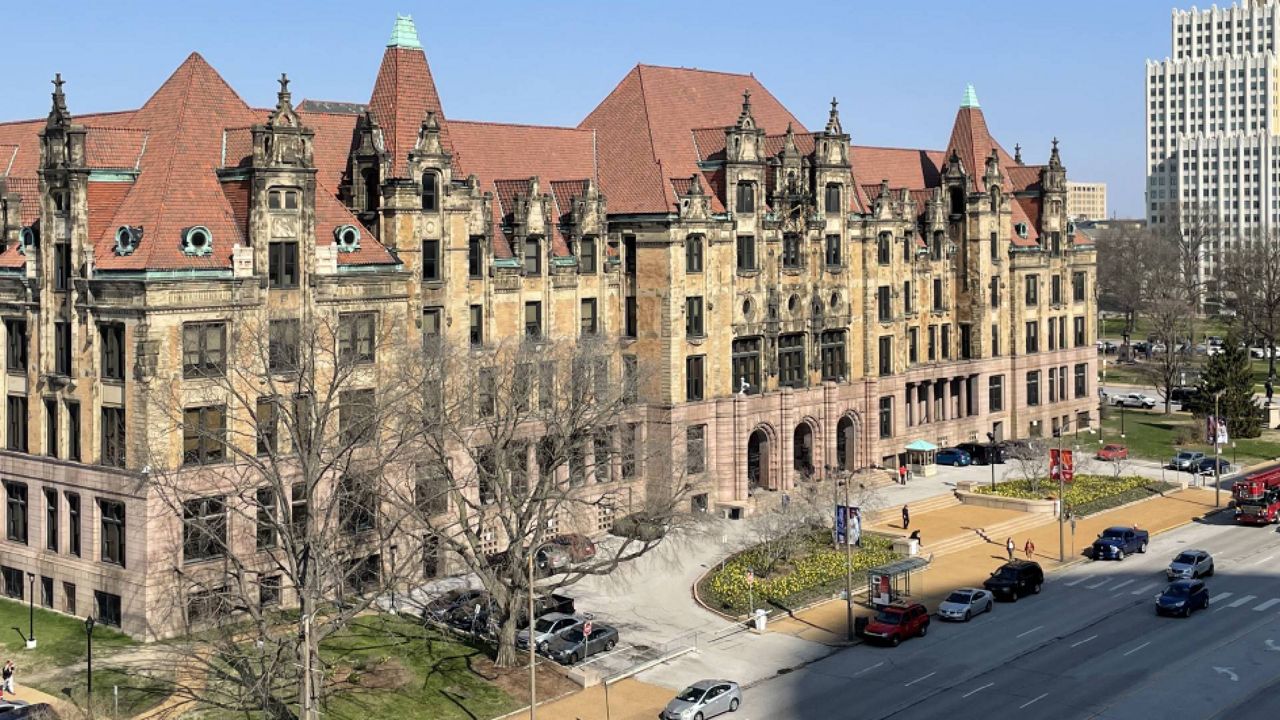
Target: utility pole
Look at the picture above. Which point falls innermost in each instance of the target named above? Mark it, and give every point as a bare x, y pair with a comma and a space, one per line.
533, 667
1217, 453
991, 457
1062, 502
848, 562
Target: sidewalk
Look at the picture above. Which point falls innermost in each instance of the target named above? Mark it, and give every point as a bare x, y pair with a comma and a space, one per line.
34, 697
628, 700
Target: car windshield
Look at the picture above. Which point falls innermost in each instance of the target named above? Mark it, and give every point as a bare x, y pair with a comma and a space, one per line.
889, 618
691, 694
1186, 455
1006, 574
1185, 559
958, 597
1113, 533
1177, 590
544, 625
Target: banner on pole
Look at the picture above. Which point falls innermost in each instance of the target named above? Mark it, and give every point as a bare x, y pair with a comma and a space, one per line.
1061, 465
848, 525
1216, 430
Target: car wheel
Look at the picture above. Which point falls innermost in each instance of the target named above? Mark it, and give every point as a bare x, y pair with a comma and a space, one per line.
1035, 589
1119, 555
1186, 611
924, 629
733, 705
1210, 573
609, 645
894, 640
1142, 548
991, 605
1013, 596
966, 616
698, 716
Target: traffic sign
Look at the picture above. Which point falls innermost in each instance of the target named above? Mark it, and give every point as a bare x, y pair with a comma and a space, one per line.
586, 628
751, 578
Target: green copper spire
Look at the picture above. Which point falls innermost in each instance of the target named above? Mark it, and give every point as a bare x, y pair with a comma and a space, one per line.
404, 34
970, 97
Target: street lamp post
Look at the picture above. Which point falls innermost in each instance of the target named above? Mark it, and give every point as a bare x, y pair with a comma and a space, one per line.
89, 622
848, 552
1217, 454
991, 457
31, 609
533, 667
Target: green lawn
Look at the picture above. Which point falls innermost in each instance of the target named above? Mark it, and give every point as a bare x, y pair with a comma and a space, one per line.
1113, 327
60, 638
1152, 435
136, 694
1124, 374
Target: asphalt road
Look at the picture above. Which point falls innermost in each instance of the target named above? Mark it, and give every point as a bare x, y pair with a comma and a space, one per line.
1089, 646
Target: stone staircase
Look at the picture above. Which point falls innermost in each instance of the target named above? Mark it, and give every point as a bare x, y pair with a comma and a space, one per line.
894, 513
996, 533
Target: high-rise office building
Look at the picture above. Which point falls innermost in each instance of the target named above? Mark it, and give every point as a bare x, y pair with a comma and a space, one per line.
1087, 200
1213, 115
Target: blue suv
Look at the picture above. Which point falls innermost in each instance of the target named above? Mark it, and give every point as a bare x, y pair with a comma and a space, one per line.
954, 456
1182, 597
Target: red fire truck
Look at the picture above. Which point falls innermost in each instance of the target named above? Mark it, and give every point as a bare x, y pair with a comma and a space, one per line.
1257, 496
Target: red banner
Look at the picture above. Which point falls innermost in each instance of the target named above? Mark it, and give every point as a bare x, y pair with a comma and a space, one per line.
1061, 465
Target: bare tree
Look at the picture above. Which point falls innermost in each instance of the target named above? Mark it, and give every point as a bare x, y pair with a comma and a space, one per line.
276, 486
538, 440
1251, 280
1032, 461
1121, 251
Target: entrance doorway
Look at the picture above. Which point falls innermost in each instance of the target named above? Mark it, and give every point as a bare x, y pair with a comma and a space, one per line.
802, 449
757, 461
846, 444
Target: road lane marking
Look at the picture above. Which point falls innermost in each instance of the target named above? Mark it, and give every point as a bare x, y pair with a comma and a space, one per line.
1217, 599
1145, 588
1267, 604
1137, 649
1244, 599
1034, 701
873, 667
924, 677
1264, 559
1074, 583
1098, 584
1038, 627
1126, 582
1091, 637
974, 692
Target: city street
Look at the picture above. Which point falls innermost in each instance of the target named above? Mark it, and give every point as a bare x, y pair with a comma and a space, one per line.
1089, 646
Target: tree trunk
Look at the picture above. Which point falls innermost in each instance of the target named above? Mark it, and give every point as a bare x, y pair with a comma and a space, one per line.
1271, 359
508, 655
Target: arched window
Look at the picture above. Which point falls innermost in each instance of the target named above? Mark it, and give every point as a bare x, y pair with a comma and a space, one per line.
802, 449
430, 191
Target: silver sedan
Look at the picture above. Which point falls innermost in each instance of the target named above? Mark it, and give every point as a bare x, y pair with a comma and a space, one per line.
964, 603
704, 699
1190, 564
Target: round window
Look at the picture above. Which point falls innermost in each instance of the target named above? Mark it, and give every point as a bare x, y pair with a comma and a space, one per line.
347, 237
793, 303
199, 238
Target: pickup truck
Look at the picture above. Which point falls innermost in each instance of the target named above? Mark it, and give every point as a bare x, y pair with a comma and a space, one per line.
1116, 542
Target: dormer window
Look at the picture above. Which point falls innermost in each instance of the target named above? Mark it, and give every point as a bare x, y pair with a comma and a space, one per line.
347, 237
29, 238
430, 191
1021, 229
833, 199
197, 241
282, 200
127, 239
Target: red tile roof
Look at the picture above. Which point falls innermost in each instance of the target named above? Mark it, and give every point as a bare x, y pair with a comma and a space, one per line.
331, 147
29, 189
644, 129
1024, 177
902, 167
1025, 210
115, 148
402, 94
104, 200
972, 142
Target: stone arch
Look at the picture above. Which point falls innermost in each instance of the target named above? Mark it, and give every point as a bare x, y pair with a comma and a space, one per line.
762, 443
848, 439
804, 446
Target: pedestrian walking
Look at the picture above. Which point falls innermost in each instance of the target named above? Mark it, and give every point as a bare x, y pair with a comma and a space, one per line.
6, 676
906, 518
1008, 546
902, 474
1029, 548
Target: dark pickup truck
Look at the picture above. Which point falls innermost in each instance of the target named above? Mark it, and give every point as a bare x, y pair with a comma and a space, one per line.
1116, 542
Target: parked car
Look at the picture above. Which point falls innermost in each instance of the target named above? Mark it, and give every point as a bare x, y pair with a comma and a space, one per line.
983, 454
953, 456
1134, 400
1215, 350
551, 559
704, 699
1113, 452
572, 645
1260, 352
547, 627
895, 623
1190, 564
964, 603
1015, 579
442, 607
1183, 395
1186, 460
580, 547
1206, 466
1182, 597
1116, 542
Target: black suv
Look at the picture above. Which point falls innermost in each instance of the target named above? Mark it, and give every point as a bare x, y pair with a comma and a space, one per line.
983, 453
1015, 579
1184, 395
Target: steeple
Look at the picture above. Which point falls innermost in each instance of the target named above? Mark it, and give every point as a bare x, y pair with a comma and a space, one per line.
1017, 153
404, 34
1054, 159
970, 97
833, 120
745, 121
58, 114
283, 115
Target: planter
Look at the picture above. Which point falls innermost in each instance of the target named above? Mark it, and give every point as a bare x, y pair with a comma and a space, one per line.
1046, 507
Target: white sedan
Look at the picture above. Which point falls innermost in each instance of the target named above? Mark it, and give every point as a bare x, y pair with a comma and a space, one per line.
964, 603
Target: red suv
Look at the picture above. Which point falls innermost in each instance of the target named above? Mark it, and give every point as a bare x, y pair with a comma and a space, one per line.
898, 622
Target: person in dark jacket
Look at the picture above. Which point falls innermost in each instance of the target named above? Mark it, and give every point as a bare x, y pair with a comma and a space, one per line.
906, 518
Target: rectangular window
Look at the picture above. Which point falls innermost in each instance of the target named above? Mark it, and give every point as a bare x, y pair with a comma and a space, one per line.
432, 268
533, 320
832, 200
283, 346
430, 192
73, 524
693, 377
357, 503
746, 252
107, 606
693, 254
995, 393
46, 591
791, 256
908, 299
282, 265
204, 431
913, 346
884, 248
268, 591
61, 267
1053, 386
630, 377
112, 531
695, 449
69, 598
1077, 287
1055, 290
16, 511
886, 354
356, 416
884, 304
995, 340
299, 509
630, 259
746, 366
791, 368
477, 325
1033, 388
487, 392
1062, 383
204, 349
946, 342
431, 324
1032, 340
1078, 330
693, 325
1033, 290
16, 345
935, 248
475, 257
73, 431
746, 198
629, 317
1053, 335
113, 437
628, 442
938, 301
966, 342
532, 256
15, 586
886, 417
112, 338
357, 338
17, 425
266, 413
204, 529
995, 292
933, 343
833, 255
1082, 380
587, 255
62, 348
832, 343
51, 427
267, 517
589, 317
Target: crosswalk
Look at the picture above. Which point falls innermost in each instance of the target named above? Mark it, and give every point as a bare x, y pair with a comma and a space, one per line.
1119, 587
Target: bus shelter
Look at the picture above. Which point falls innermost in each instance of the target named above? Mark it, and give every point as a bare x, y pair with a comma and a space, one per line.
891, 582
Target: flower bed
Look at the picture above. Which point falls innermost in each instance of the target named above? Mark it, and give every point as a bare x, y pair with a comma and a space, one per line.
1088, 493
817, 572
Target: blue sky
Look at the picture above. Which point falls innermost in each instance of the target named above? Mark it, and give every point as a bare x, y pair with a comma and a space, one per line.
1041, 69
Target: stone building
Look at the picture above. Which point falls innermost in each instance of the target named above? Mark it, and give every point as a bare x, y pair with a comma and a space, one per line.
802, 301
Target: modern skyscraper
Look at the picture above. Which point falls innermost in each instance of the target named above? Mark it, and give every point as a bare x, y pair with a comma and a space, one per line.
1087, 200
1213, 116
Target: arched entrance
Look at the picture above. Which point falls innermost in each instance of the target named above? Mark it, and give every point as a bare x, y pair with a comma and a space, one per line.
758, 461
802, 450
847, 444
